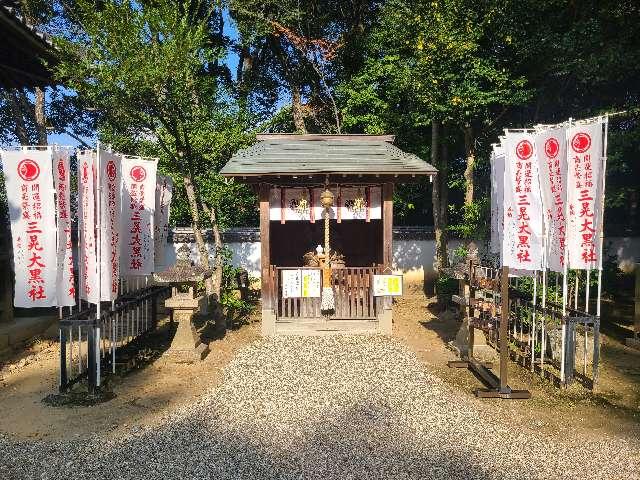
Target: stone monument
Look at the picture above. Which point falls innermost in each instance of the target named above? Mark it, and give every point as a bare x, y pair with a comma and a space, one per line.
184, 304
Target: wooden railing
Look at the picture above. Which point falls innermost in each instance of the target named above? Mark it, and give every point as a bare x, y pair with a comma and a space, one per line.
353, 293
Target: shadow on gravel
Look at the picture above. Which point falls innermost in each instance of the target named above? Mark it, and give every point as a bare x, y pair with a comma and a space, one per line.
367, 442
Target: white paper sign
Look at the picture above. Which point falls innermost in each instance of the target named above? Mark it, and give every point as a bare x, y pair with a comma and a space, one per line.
584, 195
138, 206
291, 284
523, 224
87, 261
164, 193
29, 184
387, 285
310, 284
552, 160
65, 280
110, 209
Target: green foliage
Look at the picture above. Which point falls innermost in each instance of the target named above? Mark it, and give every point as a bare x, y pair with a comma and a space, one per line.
153, 75
235, 308
473, 219
446, 285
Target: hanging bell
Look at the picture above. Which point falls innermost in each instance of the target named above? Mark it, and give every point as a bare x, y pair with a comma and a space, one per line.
326, 199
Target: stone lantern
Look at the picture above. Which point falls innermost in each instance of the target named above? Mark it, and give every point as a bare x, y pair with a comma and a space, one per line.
184, 304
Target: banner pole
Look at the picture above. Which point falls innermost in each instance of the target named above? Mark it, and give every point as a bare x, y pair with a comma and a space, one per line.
544, 304
533, 327
604, 174
564, 287
99, 258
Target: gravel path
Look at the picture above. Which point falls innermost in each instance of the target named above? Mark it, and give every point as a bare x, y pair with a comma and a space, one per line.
324, 408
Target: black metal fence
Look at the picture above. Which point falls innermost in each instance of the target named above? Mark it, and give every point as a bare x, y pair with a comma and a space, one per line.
89, 345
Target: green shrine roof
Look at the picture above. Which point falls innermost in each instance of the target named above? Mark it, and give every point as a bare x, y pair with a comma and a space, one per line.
291, 154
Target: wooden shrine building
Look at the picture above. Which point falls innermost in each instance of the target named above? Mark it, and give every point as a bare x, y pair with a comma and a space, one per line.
325, 190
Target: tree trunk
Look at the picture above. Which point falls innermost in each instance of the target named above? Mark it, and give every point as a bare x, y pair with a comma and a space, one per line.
195, 219
296, 109
41, 121
217, 240
443, 185
18, 117
470, 152
436, 198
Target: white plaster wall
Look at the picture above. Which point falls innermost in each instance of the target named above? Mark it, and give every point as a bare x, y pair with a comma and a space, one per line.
243, 254
413, 258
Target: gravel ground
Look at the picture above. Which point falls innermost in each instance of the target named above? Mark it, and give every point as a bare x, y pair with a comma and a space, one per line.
325, 408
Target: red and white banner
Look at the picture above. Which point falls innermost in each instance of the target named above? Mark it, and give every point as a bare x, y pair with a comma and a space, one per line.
584, 195
551, 149
110, 207
164, 193
138, 206
497, 198
523, 224
65, 281
87, 260
350, 203
29, 185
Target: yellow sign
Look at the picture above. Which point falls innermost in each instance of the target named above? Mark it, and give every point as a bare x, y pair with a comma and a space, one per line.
387, 285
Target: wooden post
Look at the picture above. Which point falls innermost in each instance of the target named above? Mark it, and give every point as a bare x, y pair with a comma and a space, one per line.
636, 316
504, 334
266, 286
385, 320
387, 224
470, 293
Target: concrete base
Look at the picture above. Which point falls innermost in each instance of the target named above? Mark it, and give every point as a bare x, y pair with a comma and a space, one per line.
268, 323
385, 322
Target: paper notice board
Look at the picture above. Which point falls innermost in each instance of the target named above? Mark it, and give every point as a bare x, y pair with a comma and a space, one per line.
301, 283
387, 285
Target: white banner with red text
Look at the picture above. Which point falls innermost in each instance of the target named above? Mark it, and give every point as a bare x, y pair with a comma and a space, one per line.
65, 282
497, 198
138, 206
523, 223
164, 194
551, 150
109, 226
87, 259
30, 195
584, 195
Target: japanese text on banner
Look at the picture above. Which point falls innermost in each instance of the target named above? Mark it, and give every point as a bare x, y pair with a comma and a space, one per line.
30, 190
65, 281
552, 160
138, 206
584, 194
523, 224
110, 240
164, 193
87, 261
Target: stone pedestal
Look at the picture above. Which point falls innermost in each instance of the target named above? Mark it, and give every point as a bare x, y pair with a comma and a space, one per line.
186, 345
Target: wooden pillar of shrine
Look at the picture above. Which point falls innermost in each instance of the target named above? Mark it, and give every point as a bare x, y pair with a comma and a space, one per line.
384, 316
266, 284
